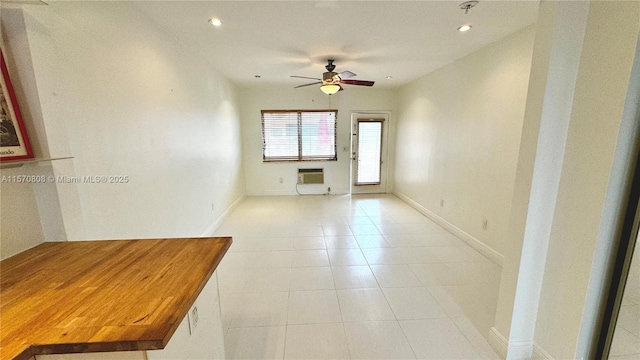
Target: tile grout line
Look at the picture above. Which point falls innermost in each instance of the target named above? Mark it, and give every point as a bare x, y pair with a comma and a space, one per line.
361, 251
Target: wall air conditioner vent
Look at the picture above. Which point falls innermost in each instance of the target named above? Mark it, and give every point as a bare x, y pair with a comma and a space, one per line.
310, 176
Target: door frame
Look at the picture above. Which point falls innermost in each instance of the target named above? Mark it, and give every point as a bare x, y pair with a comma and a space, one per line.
626, 243
384, 156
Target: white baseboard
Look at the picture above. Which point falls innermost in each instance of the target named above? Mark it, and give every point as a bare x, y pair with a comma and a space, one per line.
271, 193
216, 224
498, 342
517, 350
293, 192
481, 247
540, 354
520, 350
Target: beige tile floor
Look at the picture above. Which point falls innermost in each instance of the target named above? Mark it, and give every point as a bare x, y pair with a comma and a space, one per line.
360, 277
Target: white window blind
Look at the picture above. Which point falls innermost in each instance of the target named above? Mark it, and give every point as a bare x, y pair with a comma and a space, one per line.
298, 135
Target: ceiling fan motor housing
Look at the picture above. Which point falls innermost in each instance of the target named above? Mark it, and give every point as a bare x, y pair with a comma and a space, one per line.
330, 77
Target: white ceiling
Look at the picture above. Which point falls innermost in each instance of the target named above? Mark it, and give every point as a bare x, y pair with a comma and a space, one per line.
374, 39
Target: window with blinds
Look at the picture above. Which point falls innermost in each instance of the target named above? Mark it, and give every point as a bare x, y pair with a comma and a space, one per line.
299, 135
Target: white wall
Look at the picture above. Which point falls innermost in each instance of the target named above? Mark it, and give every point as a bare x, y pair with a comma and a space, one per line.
581, 105
124, 98
263, 178
20, 227
584, 219
557, 50
458, 134
30, 213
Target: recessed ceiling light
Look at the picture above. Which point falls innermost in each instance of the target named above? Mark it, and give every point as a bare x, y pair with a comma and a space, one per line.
389, 77
215, 22
464, 28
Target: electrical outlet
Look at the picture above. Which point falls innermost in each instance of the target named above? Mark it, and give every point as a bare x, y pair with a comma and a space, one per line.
193, 318
485, 223
281, 180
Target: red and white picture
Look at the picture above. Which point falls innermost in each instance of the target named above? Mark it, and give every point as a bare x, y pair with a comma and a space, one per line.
14, 144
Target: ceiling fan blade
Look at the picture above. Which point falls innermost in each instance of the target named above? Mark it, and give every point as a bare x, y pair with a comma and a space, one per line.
358, 82
304, 77
314, 83
347, 74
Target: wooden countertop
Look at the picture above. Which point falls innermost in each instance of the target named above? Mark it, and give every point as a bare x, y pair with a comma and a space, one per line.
90, 296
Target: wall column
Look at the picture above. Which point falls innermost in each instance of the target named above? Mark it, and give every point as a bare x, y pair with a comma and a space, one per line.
581, 68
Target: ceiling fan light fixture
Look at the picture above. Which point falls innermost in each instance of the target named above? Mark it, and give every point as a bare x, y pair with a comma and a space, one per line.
330, 89
465, 27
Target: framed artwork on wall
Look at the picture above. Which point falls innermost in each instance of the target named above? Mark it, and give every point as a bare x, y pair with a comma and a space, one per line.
14, 143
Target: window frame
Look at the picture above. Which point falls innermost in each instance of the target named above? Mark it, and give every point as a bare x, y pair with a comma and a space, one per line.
300, 157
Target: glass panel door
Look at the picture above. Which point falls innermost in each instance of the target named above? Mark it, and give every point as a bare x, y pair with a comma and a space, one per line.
369, 152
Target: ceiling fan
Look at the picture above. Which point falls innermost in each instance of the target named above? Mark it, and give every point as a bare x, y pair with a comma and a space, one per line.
331, 80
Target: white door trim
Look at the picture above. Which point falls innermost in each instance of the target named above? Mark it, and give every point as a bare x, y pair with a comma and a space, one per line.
384, 175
